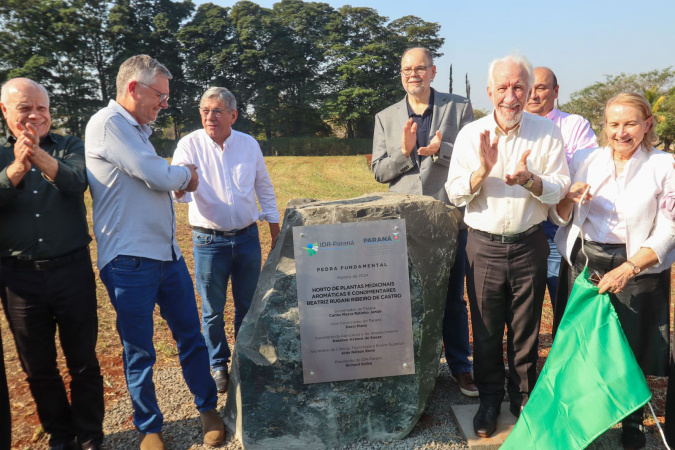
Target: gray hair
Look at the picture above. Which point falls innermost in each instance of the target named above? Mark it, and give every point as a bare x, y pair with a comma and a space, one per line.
141, 68
514, 58
427, 54
4, 91
222, 94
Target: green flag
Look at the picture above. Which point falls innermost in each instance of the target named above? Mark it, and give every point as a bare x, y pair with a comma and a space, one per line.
590, 380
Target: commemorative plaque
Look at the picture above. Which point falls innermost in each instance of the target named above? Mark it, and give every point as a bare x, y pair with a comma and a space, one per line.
354, 300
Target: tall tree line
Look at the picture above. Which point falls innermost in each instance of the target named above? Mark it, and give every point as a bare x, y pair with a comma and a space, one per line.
657, 86
297, 69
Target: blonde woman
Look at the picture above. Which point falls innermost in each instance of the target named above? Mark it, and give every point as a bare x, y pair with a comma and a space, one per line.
627, 240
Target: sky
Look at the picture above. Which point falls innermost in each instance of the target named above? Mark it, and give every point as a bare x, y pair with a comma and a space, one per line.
581, 41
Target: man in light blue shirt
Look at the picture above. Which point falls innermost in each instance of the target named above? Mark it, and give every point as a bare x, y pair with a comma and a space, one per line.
138, 257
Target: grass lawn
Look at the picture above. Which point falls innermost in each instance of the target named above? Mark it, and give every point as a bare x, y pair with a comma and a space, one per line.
323, 178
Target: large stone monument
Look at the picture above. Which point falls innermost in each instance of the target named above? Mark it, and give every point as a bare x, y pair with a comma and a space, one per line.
269, 406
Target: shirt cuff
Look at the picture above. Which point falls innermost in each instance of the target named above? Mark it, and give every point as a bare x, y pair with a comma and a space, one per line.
550, 192
459, 191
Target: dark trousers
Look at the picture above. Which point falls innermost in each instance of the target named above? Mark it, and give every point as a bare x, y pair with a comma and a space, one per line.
456, 317
5, 418
669, 428
506, 285
36, 303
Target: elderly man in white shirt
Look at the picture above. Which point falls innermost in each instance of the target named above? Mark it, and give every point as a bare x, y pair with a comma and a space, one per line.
223, 214
506, 183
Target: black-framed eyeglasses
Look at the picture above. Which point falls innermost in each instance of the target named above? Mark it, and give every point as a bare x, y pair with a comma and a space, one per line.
419, 70
216, 112
162, 96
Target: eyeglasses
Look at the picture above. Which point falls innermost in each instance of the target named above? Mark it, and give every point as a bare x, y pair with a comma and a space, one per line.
419, 70
162, 96
216, 112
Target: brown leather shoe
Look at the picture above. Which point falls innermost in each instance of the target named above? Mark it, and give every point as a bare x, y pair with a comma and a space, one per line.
222, 380
466, 384
213, 427
152, 441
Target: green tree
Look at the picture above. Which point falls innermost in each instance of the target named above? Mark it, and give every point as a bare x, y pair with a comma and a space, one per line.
47, 42
151, 27
590, 101
363, 61
304, 39
259, 53
211, 53
665, 128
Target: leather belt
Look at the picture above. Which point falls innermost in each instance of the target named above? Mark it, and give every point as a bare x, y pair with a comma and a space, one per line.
507, 238
222, 233
27, 262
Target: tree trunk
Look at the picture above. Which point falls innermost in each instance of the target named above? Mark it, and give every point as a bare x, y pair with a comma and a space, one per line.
350, 129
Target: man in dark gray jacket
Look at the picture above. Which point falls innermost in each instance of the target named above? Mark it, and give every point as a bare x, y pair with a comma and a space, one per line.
412, 146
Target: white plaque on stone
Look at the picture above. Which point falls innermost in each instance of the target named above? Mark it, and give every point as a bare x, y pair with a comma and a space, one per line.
354, 300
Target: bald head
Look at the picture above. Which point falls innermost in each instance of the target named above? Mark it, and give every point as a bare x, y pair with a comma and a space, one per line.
20, 84
24, 101
544, 92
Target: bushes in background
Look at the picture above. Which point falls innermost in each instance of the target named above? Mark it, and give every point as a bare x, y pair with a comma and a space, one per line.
312, 146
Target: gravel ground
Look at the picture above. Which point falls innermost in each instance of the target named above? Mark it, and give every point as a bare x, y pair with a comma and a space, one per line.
182, 427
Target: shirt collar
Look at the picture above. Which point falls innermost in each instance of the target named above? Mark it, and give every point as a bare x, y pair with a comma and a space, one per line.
227, 144
124, 113
499, 131
554, 112
430, 106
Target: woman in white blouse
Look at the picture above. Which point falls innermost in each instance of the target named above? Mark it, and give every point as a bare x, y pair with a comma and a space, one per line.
627, 240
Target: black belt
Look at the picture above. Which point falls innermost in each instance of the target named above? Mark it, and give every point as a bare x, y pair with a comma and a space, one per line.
222, 233
27, 262
507, 238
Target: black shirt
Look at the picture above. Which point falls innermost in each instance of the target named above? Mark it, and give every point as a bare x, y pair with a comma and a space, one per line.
423, 122
39, 218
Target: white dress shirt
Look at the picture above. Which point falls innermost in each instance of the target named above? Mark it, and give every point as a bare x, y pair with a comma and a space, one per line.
606, 221
229, 181
648, 177
497, 207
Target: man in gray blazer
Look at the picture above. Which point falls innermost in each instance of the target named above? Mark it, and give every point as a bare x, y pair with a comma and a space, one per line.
412, 146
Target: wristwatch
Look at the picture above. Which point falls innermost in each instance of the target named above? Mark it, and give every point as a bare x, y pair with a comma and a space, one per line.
636, 268
528, 184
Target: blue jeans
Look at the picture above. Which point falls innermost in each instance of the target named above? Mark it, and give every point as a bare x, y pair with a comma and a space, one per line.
553, 262
216, 258
456, 317
135, 285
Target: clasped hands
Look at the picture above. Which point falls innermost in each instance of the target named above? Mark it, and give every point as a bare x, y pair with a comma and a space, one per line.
409, 140
27, 153
192, 185
25, 147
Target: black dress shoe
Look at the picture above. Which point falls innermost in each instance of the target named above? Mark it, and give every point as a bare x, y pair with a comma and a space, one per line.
633, 433
222, 380
69, 445
485, 421
91, 446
